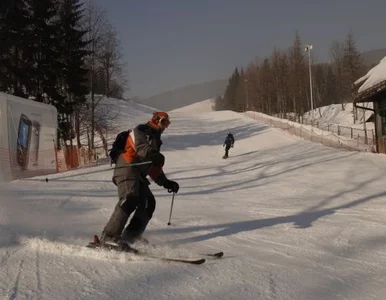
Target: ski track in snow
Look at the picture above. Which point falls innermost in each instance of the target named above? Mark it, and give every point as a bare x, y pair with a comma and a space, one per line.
296, 220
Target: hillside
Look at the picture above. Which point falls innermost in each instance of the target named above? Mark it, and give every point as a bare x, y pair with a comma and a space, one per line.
186, 95
373, 57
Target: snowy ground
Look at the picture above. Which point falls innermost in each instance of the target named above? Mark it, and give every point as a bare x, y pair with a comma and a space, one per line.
199, 107
295, 219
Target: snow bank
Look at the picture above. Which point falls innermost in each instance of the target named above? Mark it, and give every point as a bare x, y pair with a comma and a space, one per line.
314, 134
373, 77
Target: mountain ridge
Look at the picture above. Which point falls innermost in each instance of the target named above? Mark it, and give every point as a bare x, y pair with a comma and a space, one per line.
186, 95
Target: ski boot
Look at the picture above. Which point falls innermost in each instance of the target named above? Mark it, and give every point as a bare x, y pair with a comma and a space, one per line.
114, 243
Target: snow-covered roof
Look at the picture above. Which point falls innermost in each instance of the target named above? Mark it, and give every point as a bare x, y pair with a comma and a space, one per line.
375, 79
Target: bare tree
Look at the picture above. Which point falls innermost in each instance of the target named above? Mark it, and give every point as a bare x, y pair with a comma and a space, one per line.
252, 85
280, 74
298, 77
106, 74
337, 54
103, 120
111, 63
95, 21
353, 68
266, 86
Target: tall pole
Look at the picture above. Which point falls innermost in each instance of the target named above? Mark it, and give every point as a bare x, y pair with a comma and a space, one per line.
308, 49
246, 94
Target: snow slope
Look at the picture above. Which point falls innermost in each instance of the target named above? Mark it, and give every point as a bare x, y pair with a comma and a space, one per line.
126, 113
335, 114
121, 115
201, 106
295, 219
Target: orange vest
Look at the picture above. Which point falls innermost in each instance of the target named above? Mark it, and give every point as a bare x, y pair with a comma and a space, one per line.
129, 155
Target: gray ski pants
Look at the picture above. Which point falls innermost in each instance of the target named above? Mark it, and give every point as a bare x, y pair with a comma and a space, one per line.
134, 196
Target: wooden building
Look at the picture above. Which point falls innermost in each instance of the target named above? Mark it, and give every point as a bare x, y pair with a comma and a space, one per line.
372, 88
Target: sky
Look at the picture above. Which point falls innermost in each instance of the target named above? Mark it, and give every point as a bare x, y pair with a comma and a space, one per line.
173, 43
295, 219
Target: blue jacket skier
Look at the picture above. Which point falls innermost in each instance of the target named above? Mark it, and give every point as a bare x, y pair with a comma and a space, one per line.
228, 143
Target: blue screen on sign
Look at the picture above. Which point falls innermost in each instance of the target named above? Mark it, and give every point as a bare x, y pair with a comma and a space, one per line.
23, 134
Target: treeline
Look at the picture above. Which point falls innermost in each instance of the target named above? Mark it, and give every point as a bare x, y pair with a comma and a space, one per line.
280, 84
59, 52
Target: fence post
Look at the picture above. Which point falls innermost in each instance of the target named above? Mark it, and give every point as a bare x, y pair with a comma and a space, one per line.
338, 130
56, 156
366, 141
374, 141
351, 132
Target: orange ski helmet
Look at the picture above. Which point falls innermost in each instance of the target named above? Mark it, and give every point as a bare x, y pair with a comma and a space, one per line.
160, 120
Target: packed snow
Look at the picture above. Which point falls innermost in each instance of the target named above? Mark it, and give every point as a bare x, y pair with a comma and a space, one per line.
296, 220
207, 105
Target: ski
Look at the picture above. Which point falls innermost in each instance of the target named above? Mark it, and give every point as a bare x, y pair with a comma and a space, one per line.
214, 255
193, 261
209, 255
97, 245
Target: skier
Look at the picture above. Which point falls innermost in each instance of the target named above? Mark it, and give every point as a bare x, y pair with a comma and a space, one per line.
142, 144
228, 143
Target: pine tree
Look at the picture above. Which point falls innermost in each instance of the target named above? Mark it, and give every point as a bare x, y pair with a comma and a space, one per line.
227, 101
331, 88
230, 96
72, 58
231, 91
240, 95
14, 36
43, 52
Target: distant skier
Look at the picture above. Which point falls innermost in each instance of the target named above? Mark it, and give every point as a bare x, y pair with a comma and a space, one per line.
228, 143
142, 144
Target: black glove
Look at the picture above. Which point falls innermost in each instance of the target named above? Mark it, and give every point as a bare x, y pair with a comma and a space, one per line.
171, 186
157, 159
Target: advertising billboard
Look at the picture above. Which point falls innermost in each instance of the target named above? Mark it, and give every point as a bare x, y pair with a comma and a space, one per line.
28, 136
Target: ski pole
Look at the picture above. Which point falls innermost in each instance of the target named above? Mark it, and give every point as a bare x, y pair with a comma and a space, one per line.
171, 209
99, 171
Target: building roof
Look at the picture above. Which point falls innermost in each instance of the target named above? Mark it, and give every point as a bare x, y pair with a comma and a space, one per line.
372, 83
